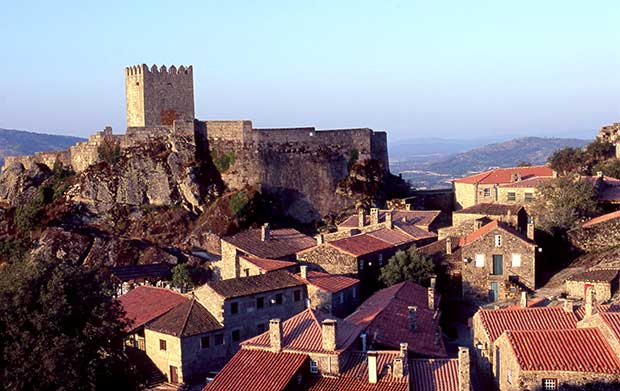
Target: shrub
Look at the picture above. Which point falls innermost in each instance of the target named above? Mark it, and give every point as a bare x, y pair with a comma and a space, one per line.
109, 152
223, 160
238, 202
407, 265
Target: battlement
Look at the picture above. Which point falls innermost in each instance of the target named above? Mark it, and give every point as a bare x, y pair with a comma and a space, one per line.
143, 69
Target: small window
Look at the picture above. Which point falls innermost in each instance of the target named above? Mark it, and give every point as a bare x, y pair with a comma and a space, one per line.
235, 335
234, 308
341, 298
354, 292
528, 197
550, 384
219, 339
512, 196
486, 192
260, 302
314, 368
498, 240
297, 295
361, 264
479, 260
516, 260
380, 259
279, 298
246, 272
261, 327
205, 342
137, 83
162, 344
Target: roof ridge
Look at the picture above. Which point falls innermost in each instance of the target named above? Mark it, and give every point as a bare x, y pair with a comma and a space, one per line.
189, 311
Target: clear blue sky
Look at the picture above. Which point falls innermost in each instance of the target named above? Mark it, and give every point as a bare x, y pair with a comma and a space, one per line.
414, 68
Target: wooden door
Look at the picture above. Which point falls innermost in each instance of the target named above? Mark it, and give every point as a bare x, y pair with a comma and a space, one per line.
174, 375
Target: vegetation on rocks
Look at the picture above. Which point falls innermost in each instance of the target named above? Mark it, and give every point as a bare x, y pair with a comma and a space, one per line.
223, 160
582, 161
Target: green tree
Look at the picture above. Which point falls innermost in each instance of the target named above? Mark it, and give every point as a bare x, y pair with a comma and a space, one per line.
60, 329
567, 160
599, 150
181, 277
563, 202
609, 167
408, 265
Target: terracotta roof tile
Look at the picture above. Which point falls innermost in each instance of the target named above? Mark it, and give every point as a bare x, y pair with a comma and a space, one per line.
504, 175
612, 319
186, 319
368, 243
491, 209
527, 183
613, 307
394, 237
330, 282
601, 219
257, 370
595, 275
411, 217
434, 374
268, 265
494, 224
495, 322
415, 232
146, 303
281, 243
577, 350
245, 286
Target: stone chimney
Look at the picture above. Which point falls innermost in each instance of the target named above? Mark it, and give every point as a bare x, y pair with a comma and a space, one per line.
477, 224
531, 230
388, 220
361, 218
412, 311
448, 245
264, 232
431, 298
590, 302
374, 216
303, 272
372, 367
617, 150
599, 174
328, 329
515, 177
554, 174
568, 305
464, 377
320, 239
407, 207
398, 368
275, 335
404, 348
434, 281
524, 300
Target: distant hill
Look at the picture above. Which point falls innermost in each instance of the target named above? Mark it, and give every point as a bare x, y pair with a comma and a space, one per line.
439, 171
19, 142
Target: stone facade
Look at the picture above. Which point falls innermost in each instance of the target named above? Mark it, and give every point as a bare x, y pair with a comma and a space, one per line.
164, 359
516, 195
339, 304
604, 289
599, 236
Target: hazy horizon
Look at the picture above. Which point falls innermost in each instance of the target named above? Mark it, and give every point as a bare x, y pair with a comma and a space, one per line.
453, 70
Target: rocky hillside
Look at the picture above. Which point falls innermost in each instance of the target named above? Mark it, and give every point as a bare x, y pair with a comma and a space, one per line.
18, 142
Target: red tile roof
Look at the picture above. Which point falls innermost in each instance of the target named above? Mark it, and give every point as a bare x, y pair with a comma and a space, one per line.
257, 370
472, 237
245, 286
527, 183
613, 307
595, 275
576, 350
186, 319
145, 303
612, 319
422, 218
490, 209
504, 175
415, 232
281, 243
330, 282
434, 374
302, 333
394, 237
268, 265
385, 316
368, 243
601, 219
495, 322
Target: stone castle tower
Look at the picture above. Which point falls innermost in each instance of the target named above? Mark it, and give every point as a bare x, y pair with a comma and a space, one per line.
157, 97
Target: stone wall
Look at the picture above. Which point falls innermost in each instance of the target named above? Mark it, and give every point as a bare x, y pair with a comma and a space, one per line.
518, 195
330, 302
163, 359
198, 361
597, 237
576, 289
464, 195
330, 260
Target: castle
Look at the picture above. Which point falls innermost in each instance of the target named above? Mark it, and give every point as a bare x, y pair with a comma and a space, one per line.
302, 166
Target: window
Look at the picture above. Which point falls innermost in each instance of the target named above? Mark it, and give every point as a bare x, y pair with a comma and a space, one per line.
479, 260
162, 344
260, 302
246, 272
486, 192
512, 196
509, 376
528, 197
235, 335
550, 384
261, 327
354, 292
341, 298
234, 308
204, 342
296, 295
498, 240
380, 259
516, 260
314, 368
361, 264
219, 339
498, 265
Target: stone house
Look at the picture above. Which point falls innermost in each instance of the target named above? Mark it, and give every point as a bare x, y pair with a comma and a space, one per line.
603, 281
338, 295
498, 262
605, 318
403, 219
446, 256
514, 215
252, 266
245, 305
598, 233
361, 256
485, 187
262, 243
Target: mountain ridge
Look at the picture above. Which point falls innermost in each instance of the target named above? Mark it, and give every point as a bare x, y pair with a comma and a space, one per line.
15, 142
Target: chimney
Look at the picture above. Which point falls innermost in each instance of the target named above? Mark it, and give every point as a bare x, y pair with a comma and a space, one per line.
508, 214
328, 330
407, 207
590, 301
433, 281
372, 367
568, 305
477, 224
303, 272
374, 216
617, 150
361, 218
388, 220
438, 336
530, 231
523, 302
275, 335
413, 317
464, 378
320, 239
599, 174
398, 368
404, 348
448, 245
554, 174
264, 232
431, 298
515, 177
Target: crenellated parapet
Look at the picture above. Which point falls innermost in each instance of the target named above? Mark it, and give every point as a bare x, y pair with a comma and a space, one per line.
143, 69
